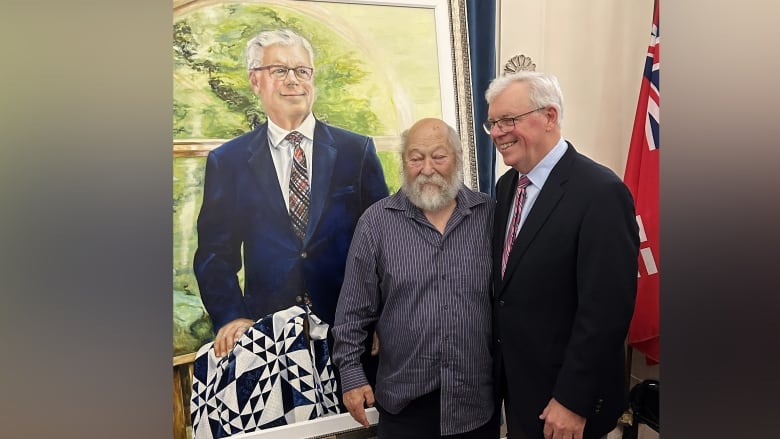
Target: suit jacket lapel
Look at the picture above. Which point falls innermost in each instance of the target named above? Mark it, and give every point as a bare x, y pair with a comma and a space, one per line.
323, 160
502, 209
545, 203
504, 196
262, 166
505, 192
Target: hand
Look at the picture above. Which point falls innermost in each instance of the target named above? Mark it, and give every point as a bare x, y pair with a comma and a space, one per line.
560, 422
356, 400
375, 346
229, 334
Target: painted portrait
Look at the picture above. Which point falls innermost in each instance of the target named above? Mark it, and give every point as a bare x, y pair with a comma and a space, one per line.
380, 66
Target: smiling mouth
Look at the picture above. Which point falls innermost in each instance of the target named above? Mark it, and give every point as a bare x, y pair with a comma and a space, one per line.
504, 146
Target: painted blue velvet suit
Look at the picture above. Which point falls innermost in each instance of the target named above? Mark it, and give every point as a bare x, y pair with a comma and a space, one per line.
243, 206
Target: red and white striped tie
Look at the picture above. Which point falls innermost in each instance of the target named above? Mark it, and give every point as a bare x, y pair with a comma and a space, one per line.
299, 186
522, 182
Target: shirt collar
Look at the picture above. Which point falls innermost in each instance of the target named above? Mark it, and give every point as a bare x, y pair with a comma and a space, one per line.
276, 134
541, 171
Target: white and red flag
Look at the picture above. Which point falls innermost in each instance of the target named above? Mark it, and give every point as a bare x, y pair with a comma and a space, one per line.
641, 177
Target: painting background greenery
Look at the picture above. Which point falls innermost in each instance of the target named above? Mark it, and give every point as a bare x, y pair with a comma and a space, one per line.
212, 100
212, 97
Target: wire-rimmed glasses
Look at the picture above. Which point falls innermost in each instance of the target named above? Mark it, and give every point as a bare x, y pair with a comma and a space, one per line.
506, 124
278, 71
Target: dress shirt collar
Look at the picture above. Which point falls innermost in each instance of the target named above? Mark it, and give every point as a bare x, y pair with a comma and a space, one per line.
276, 134
541, 171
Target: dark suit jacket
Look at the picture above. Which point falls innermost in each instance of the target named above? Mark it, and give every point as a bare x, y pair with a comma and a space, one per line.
243, 206
562, 311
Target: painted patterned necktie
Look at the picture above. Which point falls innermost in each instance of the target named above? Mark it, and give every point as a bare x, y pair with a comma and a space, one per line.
522, 183
299, 186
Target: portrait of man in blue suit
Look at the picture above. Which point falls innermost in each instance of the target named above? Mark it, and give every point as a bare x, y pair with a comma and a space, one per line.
251, 211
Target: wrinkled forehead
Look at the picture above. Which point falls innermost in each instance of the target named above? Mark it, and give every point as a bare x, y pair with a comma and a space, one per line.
427, 145
290, 55
514, 99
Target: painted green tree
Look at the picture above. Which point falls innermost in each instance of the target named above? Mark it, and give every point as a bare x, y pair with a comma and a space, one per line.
212, 97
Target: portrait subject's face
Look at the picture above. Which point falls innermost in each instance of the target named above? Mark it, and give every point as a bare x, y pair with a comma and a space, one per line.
431, 175
525, 144
287, 101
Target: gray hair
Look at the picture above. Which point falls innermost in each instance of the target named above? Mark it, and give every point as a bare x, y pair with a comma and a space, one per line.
543, 89
282, 37
452, 138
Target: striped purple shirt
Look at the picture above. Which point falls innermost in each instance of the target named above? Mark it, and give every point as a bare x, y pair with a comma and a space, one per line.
430, 293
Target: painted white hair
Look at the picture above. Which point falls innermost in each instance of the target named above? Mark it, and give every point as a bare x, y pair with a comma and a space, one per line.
282, 37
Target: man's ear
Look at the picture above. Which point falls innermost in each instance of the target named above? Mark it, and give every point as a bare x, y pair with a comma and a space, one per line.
552, 117
253, 82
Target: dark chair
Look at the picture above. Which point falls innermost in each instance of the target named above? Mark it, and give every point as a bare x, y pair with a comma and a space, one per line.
643, 403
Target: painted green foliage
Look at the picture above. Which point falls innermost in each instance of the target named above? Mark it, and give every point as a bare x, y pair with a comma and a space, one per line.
212, 98
191, 325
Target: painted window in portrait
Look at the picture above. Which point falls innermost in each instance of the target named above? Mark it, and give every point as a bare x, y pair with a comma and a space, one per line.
380, 66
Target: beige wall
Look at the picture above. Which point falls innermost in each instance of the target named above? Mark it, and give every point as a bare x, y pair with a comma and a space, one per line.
597, 49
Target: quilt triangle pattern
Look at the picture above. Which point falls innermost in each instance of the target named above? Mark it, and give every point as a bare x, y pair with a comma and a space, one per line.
275, 375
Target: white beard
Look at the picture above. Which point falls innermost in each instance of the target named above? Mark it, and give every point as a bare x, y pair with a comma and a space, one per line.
432, 199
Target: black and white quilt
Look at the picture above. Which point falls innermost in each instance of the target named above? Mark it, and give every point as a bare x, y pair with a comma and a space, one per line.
273, 376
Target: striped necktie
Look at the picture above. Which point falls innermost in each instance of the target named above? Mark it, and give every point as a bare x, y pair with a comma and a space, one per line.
299, 186
522, 183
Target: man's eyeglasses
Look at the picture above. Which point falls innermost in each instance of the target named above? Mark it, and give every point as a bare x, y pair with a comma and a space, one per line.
506, 124
280, 72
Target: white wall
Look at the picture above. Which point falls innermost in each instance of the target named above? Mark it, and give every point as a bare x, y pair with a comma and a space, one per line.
597, 49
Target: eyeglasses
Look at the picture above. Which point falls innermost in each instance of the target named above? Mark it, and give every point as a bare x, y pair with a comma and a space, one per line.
506, 124
280, 72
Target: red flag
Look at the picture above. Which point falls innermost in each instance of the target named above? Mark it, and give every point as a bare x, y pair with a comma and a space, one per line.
642, 179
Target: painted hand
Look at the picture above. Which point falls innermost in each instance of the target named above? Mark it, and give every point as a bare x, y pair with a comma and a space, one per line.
228, 335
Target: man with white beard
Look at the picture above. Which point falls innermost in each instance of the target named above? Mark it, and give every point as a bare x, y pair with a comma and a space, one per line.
419, 266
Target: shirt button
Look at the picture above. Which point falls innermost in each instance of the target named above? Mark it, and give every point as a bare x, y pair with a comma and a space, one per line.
304, 255
446, 307
500, 303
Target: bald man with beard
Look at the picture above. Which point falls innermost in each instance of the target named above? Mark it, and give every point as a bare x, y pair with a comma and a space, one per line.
419, 267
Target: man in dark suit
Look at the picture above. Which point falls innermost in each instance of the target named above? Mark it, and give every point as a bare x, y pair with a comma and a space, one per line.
288, 194
565, 249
